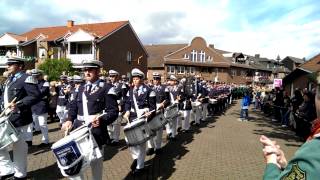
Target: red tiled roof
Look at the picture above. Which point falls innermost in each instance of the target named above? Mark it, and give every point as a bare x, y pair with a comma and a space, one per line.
97, 29
312, 65
16, 36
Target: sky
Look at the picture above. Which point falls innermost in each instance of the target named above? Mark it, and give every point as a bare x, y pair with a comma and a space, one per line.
265, 27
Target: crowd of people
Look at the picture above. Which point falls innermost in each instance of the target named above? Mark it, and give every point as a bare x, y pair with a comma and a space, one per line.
296, 111
92, 109
101, 104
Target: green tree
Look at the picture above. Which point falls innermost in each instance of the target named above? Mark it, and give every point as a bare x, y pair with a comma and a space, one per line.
55, 67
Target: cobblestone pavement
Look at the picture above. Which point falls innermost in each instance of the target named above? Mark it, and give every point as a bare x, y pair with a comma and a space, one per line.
221, 148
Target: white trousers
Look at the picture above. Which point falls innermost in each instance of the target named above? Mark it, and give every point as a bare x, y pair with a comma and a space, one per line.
186, 119
62, 113
155, 142
204, 110
40, 123
114, 129
139, 153
18, 165
96, 169
196, 113
171, 127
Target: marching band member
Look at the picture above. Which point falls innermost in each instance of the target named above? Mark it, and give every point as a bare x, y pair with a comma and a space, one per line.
140, 101
62, 101
197, 90
185, 105
96, 104
162, 100
204, 100
114, 128
40, 110
174, 92
24, 88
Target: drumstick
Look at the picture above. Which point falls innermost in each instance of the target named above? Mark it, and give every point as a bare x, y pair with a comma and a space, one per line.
86, 124
143, 115
4, 111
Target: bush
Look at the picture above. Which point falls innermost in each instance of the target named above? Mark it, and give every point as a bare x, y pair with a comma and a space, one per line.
55, 67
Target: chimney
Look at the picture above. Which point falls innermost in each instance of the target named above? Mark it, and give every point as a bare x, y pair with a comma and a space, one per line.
257, 55
70, 23
211, 46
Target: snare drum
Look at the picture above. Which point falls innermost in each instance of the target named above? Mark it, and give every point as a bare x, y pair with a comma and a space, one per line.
137, 132
8, 133
157, 122
213, 101
171, 112
195, 104
75, 151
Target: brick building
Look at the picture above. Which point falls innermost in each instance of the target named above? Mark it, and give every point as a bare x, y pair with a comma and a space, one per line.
114, 43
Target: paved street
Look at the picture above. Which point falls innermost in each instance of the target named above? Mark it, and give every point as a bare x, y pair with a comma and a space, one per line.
222, 148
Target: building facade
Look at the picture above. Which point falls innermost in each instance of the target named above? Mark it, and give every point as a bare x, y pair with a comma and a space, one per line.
114, 43
198, 58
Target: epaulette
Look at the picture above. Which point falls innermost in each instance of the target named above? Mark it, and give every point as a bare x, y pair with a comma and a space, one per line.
101, 84
46, 84
112, 91
152, 94
31, 80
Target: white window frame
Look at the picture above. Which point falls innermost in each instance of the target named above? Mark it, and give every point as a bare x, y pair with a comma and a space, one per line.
233, 72
129, 56
42, 51
181, 70
194, 56
192, 70
171, 69
202, 56
186, 56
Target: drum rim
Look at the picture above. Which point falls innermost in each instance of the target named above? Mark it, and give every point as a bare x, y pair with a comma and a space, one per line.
134, 125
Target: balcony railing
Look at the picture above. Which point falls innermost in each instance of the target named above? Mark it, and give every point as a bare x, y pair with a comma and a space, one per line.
78, 58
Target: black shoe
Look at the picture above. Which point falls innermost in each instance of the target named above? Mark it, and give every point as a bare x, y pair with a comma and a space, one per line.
150, 151
187, 131
197, 124
169, 135
16, 178
114, 143
158, 151
43, 145
7, 177
36, 132
138, 172
29, 143
133, 165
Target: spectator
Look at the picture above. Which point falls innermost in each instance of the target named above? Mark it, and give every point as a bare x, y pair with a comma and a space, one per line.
286, 110
53, 101
306, 162
278, 103
306, 113
245, 103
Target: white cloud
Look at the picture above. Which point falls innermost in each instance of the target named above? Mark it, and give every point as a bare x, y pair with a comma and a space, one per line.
178, 21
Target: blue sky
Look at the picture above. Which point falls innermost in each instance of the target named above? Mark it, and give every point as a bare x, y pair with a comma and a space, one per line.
268, 27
